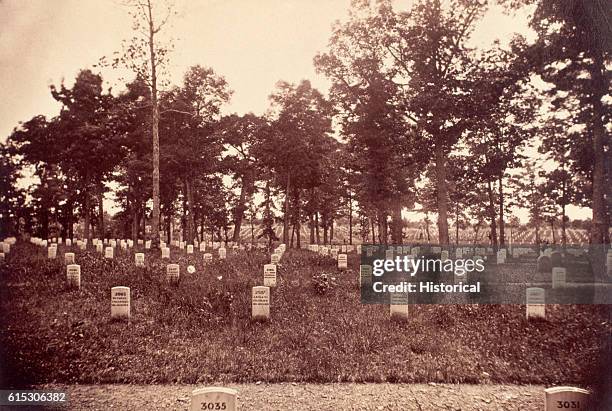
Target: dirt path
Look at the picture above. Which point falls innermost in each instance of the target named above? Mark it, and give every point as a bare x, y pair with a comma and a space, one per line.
291, 396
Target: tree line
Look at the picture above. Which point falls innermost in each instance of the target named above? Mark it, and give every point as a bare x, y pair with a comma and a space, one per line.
415, 119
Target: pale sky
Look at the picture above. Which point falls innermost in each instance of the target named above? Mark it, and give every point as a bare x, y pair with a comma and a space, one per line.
253, 43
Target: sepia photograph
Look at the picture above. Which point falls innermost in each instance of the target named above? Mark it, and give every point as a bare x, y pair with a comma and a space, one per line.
260, 205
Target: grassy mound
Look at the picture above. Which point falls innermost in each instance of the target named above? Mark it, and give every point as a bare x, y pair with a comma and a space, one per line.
201, 331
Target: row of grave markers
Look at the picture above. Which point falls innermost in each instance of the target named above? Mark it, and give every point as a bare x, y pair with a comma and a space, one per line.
260, 295
221, 398
225, 398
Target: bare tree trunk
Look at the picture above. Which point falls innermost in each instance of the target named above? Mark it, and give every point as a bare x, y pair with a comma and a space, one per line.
317, 227
331, 229
286, 214
599, 227
155, 131
240, 208
442, 188
298, 213
350, 218
382, 224
87, 212
190, 217
325, 228
134, 234
70, 205
312, 228
101, 210
492, 215
373, 230
457, 223
396, 227
563, 235
502, 240
552, 229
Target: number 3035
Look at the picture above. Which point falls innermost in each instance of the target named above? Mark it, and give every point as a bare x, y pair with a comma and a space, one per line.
568, 404
213, 406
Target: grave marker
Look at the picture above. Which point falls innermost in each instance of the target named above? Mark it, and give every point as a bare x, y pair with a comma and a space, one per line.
214, 398
73, 275
269, 275
51, 252
558, 277
109, 253
557, 398
190, 249
99, 248
501, 257
68, 242
365, 275
208, 257
173, 272
165, 253
139, 259
536, 298
120, 303
68, 258
342, 261
260, 303
222, 253
275, 258
202, 246
398, 308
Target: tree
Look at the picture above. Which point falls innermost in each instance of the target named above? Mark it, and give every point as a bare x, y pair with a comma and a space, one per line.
528, 189
12, 199
34, 142
191, 147
382, 159
295, 150
422, 51
90, 138
146, 56
504, 120
572, 53
428, 47
242, 136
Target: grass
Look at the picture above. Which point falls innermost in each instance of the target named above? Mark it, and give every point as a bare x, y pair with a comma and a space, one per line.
201, 330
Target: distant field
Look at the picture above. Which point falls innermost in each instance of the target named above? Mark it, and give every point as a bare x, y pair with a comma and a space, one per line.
415, 235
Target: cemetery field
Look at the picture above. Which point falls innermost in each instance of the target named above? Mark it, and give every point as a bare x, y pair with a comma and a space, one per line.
201, 332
